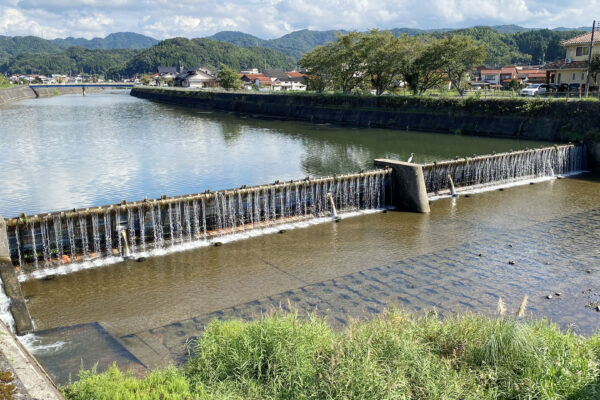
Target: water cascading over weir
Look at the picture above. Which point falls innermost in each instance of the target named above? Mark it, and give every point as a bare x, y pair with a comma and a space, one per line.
46, 244
59, 242
504, 168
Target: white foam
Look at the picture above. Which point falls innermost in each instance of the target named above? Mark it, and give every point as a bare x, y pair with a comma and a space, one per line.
501, 185
33, 344
5, 314
194, 244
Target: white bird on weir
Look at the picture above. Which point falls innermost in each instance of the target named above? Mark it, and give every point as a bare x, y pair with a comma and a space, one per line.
411, 157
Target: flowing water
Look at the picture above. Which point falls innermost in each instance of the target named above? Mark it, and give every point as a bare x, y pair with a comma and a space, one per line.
454, 259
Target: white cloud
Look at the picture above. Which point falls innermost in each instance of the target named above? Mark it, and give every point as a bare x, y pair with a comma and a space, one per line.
273, 18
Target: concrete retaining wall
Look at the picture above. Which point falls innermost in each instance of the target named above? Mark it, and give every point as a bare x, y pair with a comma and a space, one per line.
511, 118
16, 94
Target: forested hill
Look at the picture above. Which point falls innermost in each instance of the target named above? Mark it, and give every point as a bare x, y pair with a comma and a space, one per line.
116, 54
117, 63
119, 40
205, 53
505, 44
13, 46
293, 44
74, 60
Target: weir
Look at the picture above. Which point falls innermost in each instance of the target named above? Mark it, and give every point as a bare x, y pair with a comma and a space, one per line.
504, 168
40, 243
47, 244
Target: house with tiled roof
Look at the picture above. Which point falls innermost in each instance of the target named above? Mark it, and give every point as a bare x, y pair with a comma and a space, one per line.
490, 75
572, 70
199, 77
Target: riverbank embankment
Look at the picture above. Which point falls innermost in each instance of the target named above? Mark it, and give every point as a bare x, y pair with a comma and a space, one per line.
540, 119
22, 376
19, 93
13, 94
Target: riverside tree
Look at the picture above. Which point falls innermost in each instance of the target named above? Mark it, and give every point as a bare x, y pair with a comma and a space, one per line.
228, 78
340, 65
380, 60
458, 55
422, 71
383, 56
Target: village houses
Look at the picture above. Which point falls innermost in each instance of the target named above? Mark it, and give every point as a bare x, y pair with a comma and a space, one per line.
573, 69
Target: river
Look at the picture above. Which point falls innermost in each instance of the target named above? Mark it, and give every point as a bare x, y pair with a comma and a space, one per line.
73, 151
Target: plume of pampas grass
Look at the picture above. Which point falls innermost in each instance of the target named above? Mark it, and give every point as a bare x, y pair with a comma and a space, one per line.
522, 307
501, 307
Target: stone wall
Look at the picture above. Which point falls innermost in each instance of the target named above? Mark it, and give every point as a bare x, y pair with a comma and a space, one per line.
554, 121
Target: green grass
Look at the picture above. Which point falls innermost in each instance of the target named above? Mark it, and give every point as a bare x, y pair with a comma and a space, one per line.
395, 356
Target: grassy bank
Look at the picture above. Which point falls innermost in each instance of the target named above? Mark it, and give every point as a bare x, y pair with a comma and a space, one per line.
395, 356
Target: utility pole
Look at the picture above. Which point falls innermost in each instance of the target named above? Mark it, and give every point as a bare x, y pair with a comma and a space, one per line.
587, 75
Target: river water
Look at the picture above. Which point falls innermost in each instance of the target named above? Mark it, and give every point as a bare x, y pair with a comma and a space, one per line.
72, 151
455, 259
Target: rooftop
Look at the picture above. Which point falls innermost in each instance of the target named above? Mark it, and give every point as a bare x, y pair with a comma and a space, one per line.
582, 39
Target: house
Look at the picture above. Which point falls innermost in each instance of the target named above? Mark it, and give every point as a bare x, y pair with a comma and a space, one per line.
249, 79
531, 75
265, 83
167, 72
507, 74
491, 76
573, 69
287, 80
196, 78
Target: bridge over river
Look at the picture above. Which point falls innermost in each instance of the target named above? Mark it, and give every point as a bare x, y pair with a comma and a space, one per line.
84, 85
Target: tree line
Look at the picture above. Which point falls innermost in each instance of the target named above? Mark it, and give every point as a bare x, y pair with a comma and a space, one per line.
379, 61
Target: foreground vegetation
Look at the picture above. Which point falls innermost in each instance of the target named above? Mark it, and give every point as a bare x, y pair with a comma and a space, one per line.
395, 356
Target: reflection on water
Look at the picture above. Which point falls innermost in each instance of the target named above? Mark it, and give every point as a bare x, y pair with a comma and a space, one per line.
74, 151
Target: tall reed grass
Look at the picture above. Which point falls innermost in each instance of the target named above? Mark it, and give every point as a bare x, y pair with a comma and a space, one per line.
393, 356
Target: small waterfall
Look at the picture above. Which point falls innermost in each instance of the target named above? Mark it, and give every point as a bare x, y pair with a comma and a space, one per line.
505, 167
72, 237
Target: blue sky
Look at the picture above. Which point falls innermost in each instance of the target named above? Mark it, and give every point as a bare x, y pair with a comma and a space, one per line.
273, 18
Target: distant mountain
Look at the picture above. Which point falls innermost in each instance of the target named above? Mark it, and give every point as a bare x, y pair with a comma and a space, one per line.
119, 40
581, 28
74, 60
293, 44
202, 53
14, 46
505, 44
239, 39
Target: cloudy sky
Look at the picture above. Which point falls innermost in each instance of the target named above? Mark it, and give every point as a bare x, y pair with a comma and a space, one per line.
273, 18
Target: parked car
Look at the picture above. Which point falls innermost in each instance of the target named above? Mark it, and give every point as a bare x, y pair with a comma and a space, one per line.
534, 90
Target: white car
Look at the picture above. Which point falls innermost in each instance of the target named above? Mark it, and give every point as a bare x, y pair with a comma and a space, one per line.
533, 90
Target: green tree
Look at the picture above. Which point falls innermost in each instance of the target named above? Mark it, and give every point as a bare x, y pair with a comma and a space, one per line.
514, 84
145, 79
4, 82
421, 71
458, 56
340, 63
228, 78
383, 56
594, 68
